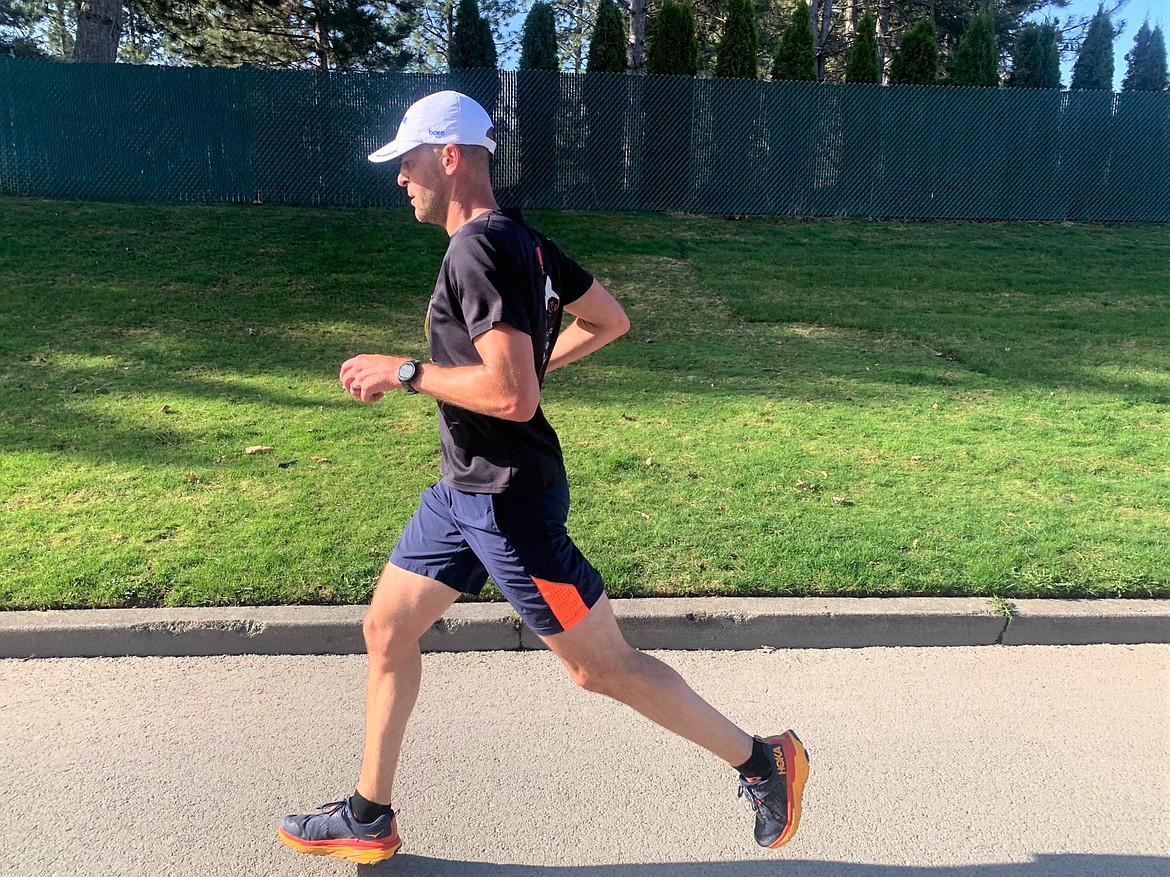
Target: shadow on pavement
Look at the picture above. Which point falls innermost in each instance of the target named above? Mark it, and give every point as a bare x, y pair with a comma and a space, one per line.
1064, 865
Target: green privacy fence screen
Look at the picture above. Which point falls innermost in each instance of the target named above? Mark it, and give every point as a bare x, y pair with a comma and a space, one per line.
608, 142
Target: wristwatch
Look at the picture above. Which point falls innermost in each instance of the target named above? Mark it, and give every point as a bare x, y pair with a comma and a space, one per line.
407, 372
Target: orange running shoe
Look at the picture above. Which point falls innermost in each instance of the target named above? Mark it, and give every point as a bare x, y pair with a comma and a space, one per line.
776, 798
335, 832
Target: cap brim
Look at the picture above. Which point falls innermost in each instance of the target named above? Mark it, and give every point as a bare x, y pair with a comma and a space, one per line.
392, 150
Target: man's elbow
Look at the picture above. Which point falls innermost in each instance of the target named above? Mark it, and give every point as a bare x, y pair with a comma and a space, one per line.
621, 324
614, 325
520, 406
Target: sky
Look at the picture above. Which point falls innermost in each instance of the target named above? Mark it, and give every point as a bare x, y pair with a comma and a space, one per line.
1133, 13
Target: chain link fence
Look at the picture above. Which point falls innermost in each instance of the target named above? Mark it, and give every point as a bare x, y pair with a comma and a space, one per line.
591, 142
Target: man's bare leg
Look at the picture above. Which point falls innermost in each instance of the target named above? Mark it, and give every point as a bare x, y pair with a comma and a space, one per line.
599, 659
404, 606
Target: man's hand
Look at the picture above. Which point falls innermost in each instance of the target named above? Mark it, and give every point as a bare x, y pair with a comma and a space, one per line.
600, 319
502, 385
369, 377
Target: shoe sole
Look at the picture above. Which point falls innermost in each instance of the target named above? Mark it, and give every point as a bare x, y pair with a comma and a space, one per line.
358, 852
796, 760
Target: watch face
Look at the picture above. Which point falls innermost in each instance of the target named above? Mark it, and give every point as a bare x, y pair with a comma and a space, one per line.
406, 373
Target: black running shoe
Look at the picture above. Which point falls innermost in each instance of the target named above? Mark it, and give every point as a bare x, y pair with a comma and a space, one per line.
335, 832
776, 799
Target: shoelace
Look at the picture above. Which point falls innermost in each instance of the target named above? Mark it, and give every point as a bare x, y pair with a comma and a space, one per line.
755, 798
355, 826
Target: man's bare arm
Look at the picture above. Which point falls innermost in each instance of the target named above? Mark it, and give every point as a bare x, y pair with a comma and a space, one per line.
600, 319
503, 386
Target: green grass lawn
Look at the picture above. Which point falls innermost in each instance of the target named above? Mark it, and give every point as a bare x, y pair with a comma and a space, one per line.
828, 407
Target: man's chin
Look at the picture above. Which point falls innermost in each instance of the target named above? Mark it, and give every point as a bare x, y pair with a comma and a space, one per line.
429, 220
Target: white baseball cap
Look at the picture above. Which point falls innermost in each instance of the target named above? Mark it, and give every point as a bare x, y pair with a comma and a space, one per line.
442, 117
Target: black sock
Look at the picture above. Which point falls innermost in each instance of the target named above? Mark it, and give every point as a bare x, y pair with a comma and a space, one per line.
365, 810
761, 764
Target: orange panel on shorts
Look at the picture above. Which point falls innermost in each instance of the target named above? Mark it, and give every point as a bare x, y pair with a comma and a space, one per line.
564, 601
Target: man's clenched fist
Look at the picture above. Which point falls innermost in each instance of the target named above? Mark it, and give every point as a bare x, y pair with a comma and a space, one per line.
369, 376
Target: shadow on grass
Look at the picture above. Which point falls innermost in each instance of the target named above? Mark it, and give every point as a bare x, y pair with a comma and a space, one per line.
134, 409
52, 405
153, 306
1056, 865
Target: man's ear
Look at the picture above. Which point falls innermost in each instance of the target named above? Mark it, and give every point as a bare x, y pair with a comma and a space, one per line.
450, 158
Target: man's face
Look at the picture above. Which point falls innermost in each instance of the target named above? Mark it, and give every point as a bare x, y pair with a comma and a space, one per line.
426, 184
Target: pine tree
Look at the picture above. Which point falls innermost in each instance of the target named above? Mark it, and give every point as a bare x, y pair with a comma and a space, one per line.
361, 37
605, 129
1147, 61
536, 103
916, 61
60, 26
740, 43
863, 60
1094, 65
1036, 58
795, 56
977, 62
142, 38
574, 22
472, 46
320, 35
672, 48
607, 48
16, 26
432, 28
538, 45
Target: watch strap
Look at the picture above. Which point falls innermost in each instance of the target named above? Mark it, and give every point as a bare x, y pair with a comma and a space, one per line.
406, 385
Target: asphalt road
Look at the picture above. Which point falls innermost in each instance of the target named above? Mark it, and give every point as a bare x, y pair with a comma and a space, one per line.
1039, 761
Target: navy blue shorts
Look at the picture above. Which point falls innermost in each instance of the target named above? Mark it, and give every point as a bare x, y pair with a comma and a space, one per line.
518, 538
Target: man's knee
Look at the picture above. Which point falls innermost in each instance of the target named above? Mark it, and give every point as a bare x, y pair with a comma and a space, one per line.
385, 640
404, 607
610, 675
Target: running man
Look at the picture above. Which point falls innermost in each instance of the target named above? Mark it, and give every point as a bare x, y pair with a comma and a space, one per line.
494, 326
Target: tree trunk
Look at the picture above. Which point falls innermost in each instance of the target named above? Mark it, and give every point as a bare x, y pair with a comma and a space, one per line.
579, 50
814, 14
883, 38
321, 44
821, 12
132, 32
99, 28
638, 36
450, 33
64, 39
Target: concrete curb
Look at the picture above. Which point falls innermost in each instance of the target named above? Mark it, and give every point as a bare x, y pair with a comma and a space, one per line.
659, 623
1086, 622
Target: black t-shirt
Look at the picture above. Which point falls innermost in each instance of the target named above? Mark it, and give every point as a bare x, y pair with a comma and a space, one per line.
498, 270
